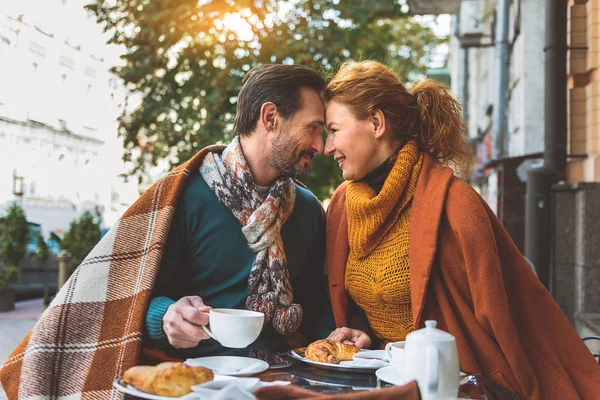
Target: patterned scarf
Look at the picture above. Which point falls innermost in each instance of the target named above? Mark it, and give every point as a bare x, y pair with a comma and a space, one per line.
269, 287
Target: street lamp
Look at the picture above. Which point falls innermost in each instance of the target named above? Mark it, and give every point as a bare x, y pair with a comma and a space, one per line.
17, 184
17, 188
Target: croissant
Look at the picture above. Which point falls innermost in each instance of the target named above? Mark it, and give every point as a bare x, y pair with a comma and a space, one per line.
330, 352
172, 379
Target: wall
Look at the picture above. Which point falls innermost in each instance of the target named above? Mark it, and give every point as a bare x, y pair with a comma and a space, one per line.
583, 39
576, 254
525, 92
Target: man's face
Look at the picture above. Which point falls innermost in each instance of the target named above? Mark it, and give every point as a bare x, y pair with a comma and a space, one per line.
299, 137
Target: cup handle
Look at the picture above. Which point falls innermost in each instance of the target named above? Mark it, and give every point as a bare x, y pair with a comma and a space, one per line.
432, 370
209, 332
388, 352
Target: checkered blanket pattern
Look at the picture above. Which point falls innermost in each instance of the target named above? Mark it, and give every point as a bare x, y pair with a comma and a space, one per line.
92, 331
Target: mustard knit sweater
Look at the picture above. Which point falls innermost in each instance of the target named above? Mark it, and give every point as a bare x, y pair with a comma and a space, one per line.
377, 270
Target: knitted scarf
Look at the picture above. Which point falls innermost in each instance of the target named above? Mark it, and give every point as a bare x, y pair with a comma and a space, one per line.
377, 269
269, 287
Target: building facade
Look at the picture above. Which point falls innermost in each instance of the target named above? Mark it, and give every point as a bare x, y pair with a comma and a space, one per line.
583, 96
576, 202
58, 109
503, 98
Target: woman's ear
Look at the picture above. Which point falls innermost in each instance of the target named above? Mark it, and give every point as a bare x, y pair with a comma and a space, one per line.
268, 116
378, 120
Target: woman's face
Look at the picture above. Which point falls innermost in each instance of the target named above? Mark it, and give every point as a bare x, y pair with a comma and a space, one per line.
351, 142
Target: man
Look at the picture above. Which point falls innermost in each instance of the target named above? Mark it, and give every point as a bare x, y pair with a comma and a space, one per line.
228, 228
211, 251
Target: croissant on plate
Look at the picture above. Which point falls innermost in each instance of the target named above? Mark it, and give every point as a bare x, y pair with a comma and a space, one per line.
330, 352
172, 379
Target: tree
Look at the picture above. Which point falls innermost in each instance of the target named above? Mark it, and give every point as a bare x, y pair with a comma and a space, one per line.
42, 252
14, 234
184, 60
80, 239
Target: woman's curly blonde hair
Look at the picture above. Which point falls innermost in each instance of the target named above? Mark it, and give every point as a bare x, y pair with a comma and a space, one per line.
429, 113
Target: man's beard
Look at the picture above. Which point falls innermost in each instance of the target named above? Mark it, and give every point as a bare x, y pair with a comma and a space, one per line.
285, 156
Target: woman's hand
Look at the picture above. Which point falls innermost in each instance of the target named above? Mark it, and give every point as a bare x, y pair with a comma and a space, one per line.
354, 337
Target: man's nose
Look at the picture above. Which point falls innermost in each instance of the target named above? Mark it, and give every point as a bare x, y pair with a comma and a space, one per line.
318, 145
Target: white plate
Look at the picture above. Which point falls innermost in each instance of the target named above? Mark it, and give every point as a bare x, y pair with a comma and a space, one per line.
128, 389
230, 365
389, 375
347, 366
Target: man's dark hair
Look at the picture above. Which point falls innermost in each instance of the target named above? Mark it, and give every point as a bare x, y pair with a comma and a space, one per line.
280, 84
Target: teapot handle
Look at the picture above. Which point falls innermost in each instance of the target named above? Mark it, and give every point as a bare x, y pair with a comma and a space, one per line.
432, 368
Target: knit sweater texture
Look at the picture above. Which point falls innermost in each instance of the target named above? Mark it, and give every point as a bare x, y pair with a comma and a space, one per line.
378, 269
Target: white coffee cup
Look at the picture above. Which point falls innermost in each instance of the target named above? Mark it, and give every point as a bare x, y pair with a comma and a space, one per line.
234, 328
395, 352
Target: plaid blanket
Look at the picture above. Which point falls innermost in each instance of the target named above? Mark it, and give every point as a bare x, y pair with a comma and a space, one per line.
92, 331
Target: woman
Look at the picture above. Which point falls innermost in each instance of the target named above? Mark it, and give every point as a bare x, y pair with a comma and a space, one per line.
408, 241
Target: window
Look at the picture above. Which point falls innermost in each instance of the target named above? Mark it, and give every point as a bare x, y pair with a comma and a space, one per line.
38, 49
91, 72
67, 62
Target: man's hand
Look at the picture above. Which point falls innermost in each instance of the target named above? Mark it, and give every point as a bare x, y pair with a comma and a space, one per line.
351, 336
183, 322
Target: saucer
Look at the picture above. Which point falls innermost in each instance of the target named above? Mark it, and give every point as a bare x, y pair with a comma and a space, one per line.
230, 365
371, 355
389, 375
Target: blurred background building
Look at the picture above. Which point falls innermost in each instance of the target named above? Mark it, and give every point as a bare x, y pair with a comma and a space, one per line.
59, 151
58, 110
508, 136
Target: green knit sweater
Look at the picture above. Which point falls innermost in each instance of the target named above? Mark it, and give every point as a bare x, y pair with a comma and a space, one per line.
207, 255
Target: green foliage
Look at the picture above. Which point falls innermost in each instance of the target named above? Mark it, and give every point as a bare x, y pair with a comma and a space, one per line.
8, 274
14, 234
42, 252
185, 65
80, 239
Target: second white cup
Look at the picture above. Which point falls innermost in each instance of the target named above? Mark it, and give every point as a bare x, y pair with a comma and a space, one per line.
234, 328
394, 352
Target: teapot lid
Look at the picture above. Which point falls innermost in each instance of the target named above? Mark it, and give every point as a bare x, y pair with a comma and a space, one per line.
430, 333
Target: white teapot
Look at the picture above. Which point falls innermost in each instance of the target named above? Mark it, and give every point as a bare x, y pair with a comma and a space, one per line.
430, 357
